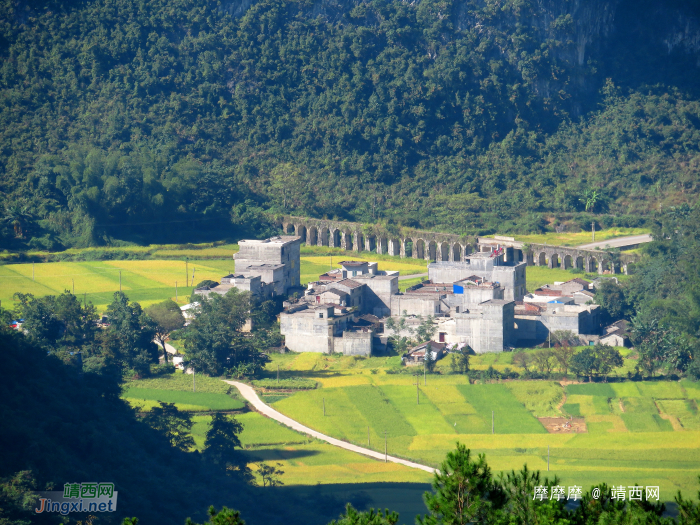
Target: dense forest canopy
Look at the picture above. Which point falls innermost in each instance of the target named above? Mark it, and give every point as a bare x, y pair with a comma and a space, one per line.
150, 121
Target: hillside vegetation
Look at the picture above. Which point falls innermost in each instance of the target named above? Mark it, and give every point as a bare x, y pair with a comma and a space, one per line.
159, 121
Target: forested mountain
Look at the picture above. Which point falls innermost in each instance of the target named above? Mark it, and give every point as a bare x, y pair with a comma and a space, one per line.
162, 120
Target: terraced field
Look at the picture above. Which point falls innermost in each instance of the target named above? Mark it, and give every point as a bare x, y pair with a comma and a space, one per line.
633, 435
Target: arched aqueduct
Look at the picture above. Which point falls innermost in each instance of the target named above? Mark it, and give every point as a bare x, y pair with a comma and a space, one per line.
435, 246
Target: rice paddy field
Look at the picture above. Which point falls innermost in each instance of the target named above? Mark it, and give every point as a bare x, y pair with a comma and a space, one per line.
578, 238
637, 432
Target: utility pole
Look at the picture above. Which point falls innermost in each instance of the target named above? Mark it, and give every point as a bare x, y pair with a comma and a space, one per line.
417, 391
193, 270
593, 230
324, 407
492, 427
385, 454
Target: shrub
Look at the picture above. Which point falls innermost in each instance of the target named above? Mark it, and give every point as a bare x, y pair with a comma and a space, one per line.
295, 383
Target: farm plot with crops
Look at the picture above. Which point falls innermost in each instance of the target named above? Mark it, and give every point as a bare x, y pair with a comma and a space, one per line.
192, 400
144, 281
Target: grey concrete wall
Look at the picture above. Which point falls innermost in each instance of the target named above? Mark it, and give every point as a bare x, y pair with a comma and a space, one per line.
378, 293
357, 343
414, 305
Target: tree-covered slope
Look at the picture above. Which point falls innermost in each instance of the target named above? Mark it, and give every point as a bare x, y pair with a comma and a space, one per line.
156, 120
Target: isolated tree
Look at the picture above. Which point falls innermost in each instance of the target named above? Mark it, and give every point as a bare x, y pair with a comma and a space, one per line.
167, 317
370, 517
463, 491
430, 360
225, 516
426, 330
563, 351
522, 359
270, 474
173, 425
544, 360
611, 298
651, 342
608, 358
222, 444
585, 363
459, 360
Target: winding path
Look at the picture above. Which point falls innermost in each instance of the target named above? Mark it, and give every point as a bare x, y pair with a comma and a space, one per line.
249, 394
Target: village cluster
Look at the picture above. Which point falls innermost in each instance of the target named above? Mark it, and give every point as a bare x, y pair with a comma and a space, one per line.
480, 301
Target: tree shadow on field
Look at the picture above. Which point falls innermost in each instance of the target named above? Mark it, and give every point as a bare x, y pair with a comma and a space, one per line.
277, 454
319, 504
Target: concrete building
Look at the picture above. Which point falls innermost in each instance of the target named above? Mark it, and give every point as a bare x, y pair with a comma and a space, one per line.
326, 329
535, 321
274, 260
252, 284
491, 267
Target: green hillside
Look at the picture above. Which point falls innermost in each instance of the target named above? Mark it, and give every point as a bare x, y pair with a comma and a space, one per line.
175, 120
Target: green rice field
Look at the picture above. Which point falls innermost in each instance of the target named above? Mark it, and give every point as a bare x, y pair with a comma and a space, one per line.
193, 401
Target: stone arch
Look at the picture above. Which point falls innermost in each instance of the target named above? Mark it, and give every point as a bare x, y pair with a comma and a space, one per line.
419, 249
359, 242
300, 231
394, 247
335, 238
312, 236
604, 266
567, 262
324, 236
288, 228
371, 243
444, 252
456, 252
382, 245
542, 259
592, 265
431, 251
554, 261
468, 249
409, 248
579, 262
347, 241
530, 258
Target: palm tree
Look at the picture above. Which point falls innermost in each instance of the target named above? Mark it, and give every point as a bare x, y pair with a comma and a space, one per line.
18, 216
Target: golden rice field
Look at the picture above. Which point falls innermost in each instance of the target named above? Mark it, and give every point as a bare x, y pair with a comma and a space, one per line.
578, 238
144, 281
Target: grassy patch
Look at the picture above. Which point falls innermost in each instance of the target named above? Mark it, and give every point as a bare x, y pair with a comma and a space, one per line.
539, 397
183, 382
511, 416
579, 238
207, 400
592, 389
285, 384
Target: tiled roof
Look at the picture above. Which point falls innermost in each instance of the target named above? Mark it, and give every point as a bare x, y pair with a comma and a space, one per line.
350, 283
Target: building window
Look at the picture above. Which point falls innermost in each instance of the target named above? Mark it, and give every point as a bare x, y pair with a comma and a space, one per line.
458, 309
